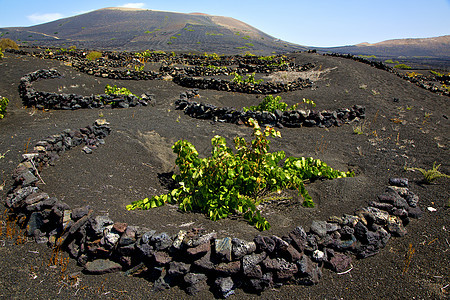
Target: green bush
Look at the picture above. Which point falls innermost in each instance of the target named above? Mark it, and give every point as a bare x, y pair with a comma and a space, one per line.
402, 66
3, 104
8, 44
239, 79
390, 61
1, 54
431, 175
229, 183
270, 104
114, 90
94, 55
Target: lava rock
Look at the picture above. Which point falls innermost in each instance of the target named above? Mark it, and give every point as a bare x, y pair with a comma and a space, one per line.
195, 282
178, 268
340, 262
225, 286
308, 271
223, 248
102, 266
161, 241
241, 248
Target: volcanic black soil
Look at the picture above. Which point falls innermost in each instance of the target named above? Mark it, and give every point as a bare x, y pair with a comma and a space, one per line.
404, 126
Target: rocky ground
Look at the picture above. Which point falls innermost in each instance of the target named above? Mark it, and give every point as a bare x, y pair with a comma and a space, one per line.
404, 126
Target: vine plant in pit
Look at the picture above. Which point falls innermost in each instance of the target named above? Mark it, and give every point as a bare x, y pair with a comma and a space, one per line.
230, 183
271, 104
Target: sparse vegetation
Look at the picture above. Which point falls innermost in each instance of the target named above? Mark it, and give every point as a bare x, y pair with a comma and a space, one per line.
360, 128
267, 58
429, 176
230, 183
214, 34
412, 74
367, 56
390, 61
3, 104
93, 55
239, 79
114, 90
139, 68
213, 56
148, 53
7, 43
402, 66
270, 104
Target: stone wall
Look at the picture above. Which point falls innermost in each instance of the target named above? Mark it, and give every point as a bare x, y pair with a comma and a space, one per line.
293, 118
195, 259
108, 67
40, 100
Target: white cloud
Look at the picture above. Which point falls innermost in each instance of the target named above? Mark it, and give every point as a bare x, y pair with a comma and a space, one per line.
133, 5
44, 18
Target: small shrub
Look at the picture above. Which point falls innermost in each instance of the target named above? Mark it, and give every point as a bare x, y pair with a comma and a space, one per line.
390, 61
437, 73
213, 56
1, 54
412, 74
139, 68
229, 183
402, 66
114, 90
3, 104
271, 104
360, 128
8, 44
239, 79
431, 175
267, 58
94, 55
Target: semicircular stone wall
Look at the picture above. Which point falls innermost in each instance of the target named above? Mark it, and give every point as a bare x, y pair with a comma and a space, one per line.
195, 259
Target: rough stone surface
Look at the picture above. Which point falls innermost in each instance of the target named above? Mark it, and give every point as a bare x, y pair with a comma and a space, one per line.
102, 266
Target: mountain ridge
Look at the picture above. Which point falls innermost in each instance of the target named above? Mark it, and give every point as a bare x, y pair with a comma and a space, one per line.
137, 29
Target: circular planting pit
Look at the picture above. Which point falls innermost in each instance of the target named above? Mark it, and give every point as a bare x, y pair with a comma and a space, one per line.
81, 206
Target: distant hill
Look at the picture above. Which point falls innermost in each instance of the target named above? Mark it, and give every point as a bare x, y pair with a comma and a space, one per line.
420, 51
140, 29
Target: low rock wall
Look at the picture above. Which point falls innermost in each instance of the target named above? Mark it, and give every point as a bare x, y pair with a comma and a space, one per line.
230, 86
194, 259
293, 118
46, 100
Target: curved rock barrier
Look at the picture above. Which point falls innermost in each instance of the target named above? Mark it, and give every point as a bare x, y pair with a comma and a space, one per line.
186, 76
230, 86
102, 67
195, 259
292, 118
417, 80
45, 100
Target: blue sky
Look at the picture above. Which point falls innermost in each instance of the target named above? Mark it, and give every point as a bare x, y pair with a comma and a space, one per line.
305, 22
